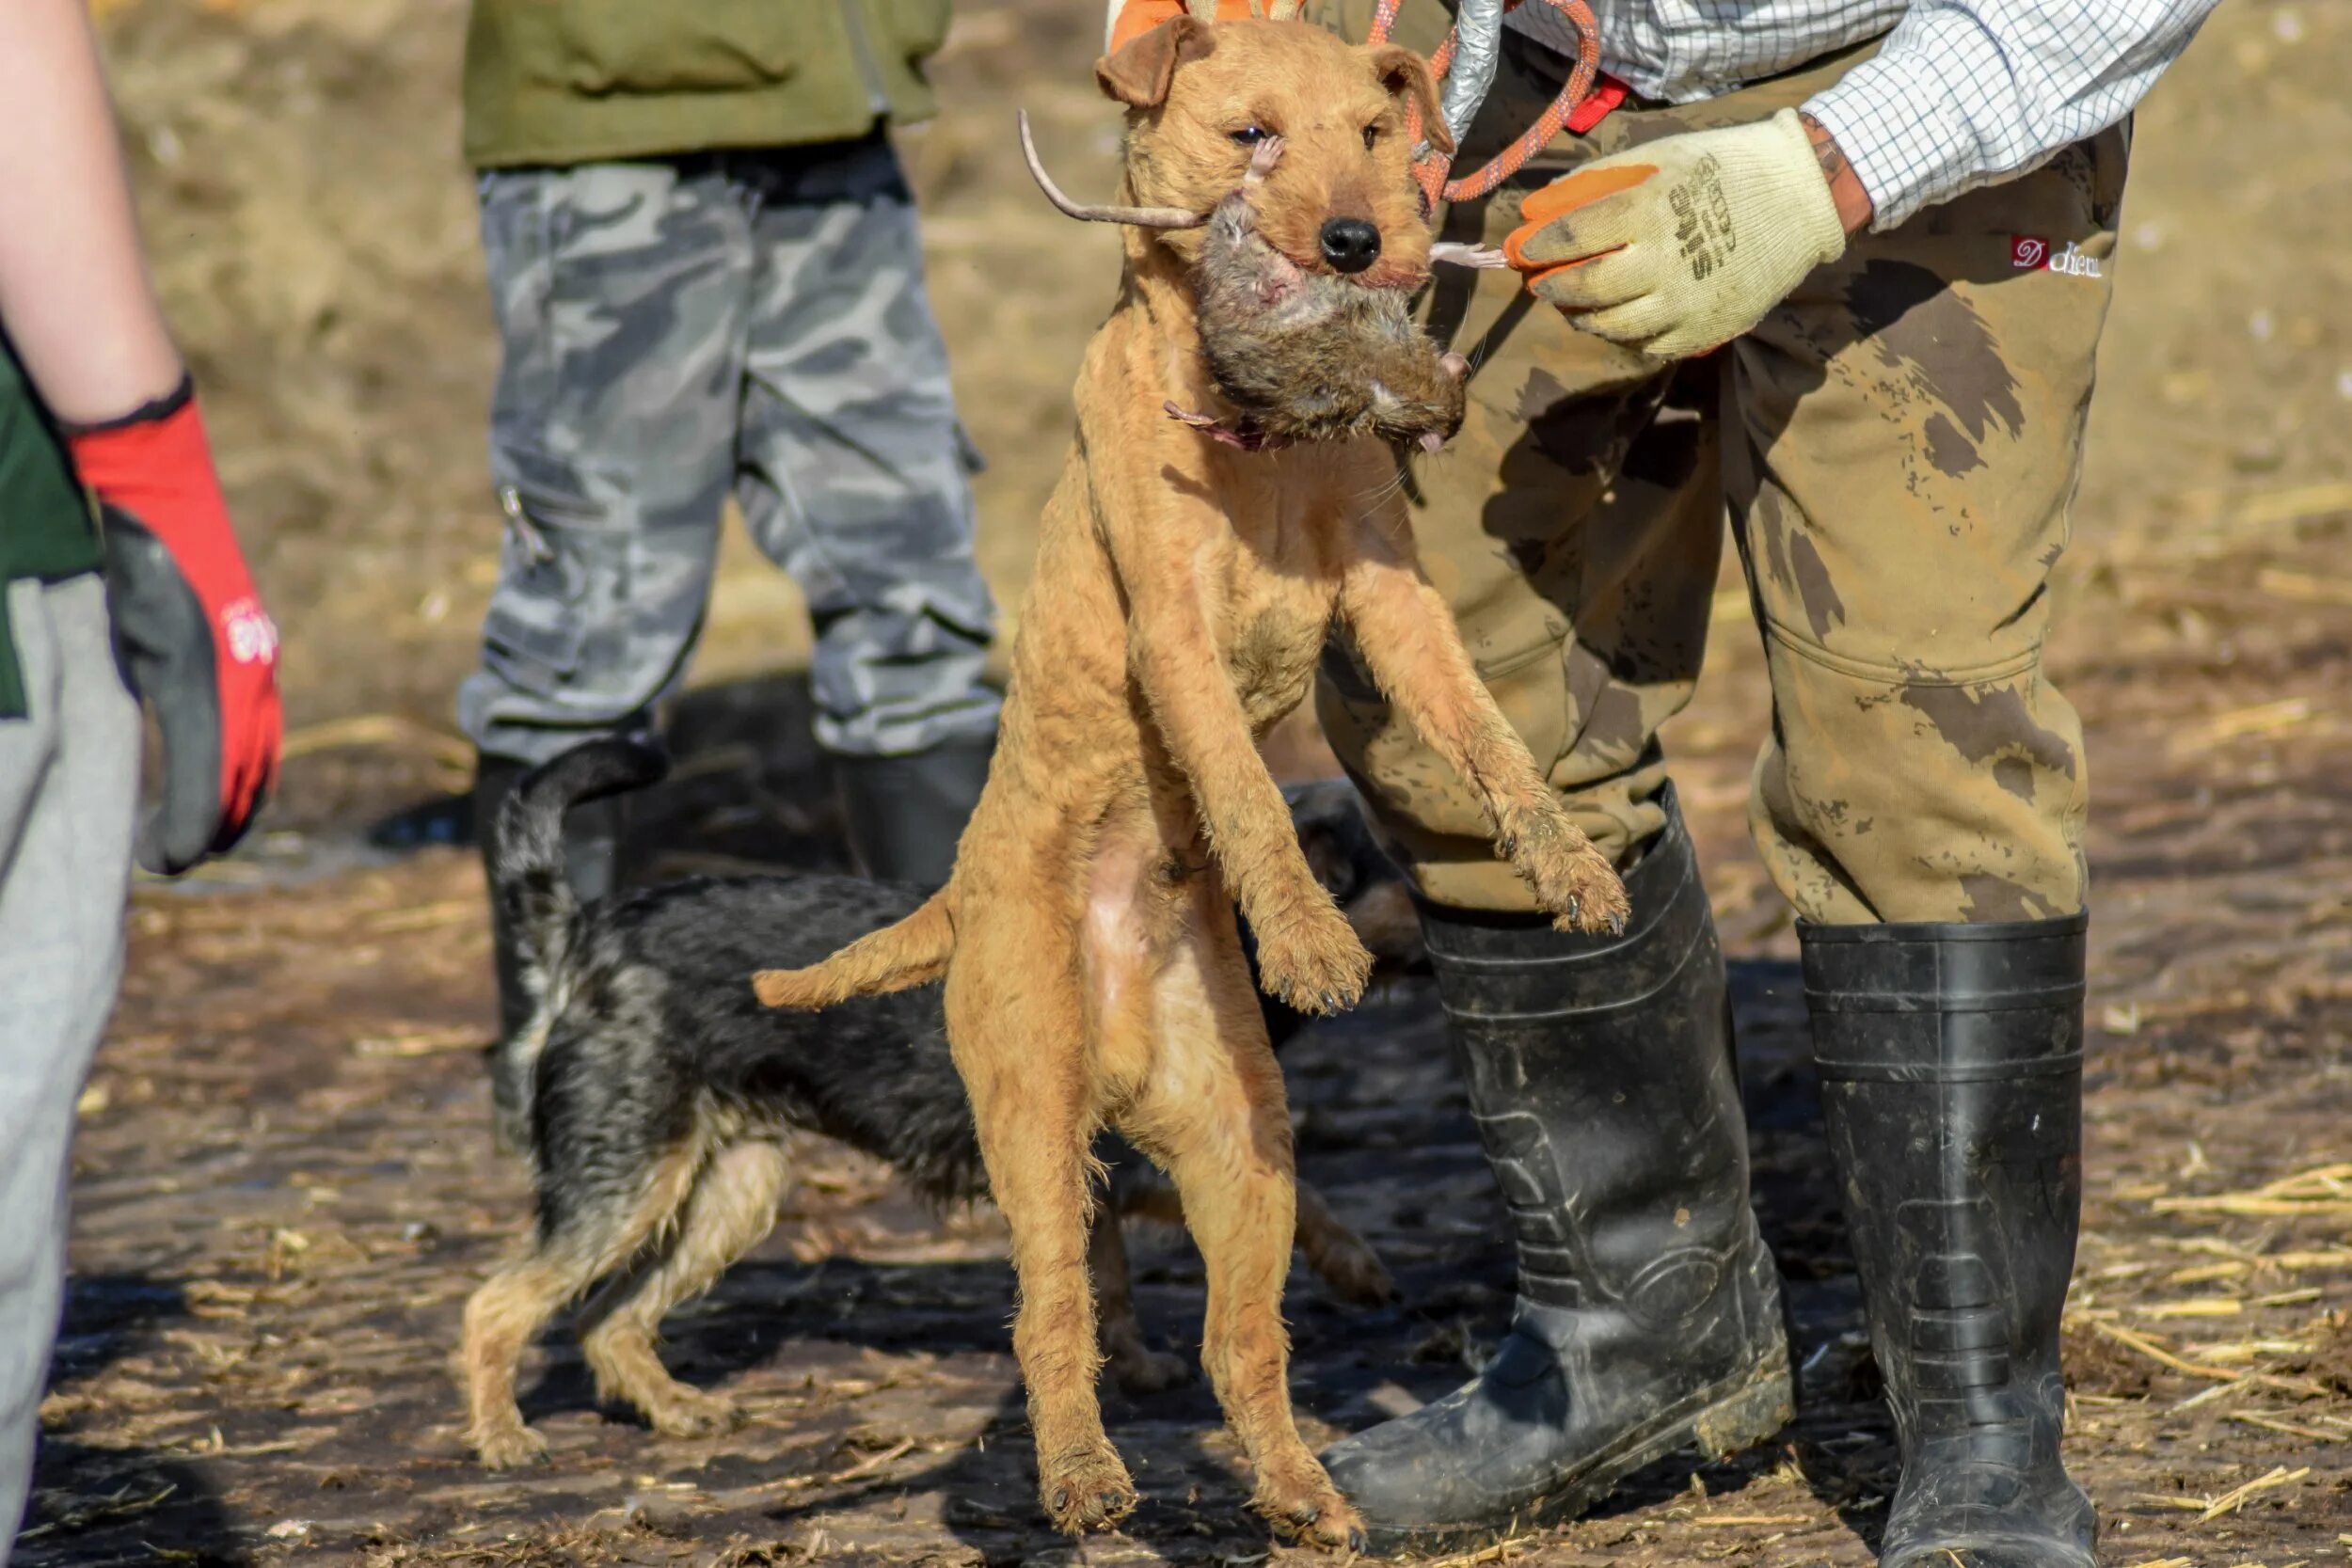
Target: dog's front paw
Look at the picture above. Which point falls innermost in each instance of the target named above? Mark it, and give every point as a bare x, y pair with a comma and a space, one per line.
1573, 880
509, 1447
1086, 1491
693, 1413
1311, 958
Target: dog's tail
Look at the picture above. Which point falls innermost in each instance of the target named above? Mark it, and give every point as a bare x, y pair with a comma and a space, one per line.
532, 891
527, 879
911, 953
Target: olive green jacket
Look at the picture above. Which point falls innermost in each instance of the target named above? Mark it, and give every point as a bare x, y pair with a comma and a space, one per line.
583, 81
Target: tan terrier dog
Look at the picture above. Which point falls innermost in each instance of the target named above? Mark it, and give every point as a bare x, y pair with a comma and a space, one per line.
1183, 591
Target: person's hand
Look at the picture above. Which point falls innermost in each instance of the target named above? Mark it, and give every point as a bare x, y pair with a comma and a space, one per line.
190, 629
1680, 245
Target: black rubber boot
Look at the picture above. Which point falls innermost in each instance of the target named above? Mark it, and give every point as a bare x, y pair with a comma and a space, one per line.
904, 813
1951, 1074
593, 831
1601, 1075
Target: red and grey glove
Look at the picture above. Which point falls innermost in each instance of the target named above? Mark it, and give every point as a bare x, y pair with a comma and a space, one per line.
190, 629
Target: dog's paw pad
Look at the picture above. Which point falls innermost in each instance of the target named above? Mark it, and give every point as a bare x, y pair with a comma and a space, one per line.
694, 1413
1313, 1513
1314, 961
1087, 1494
511, 1448
1592, 902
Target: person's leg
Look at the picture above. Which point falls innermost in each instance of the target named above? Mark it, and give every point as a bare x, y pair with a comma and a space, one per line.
620, 291
855, 478
1575, 526
69, 798
1903, 458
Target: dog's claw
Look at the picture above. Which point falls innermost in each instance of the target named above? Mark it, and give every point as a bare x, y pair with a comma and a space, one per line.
1616, 925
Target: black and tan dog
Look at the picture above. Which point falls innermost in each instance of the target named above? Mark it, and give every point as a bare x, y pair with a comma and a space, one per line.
657, 1097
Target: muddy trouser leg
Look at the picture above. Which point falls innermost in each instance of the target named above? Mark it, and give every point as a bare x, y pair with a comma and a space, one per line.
69, 784
855, 477
1576, 527
1906, 432
621, 291
1529, 526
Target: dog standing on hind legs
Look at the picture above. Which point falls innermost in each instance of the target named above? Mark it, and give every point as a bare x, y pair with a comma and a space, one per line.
657, 1100
1185, 588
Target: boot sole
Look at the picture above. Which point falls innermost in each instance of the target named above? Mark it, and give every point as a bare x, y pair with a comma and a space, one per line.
1720, 1420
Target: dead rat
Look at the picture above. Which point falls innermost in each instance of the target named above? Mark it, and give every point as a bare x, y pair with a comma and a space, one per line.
1301, 355
1313, 356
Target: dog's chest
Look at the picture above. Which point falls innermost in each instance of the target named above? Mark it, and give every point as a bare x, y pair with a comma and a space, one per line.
1270, 649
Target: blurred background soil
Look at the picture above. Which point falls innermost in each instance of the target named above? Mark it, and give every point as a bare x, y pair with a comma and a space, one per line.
286, 1184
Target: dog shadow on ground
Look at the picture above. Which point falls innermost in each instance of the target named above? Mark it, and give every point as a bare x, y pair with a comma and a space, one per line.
97, 1498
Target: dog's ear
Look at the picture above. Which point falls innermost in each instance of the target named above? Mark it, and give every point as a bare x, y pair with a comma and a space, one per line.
1139, 72
1406, 74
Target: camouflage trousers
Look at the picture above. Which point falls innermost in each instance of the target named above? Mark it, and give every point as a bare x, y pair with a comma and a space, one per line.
673, 331
1898, 449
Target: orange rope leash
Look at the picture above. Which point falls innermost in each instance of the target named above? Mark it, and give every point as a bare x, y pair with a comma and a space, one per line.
1430, 173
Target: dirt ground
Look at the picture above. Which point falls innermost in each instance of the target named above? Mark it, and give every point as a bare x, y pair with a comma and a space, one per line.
285, 1184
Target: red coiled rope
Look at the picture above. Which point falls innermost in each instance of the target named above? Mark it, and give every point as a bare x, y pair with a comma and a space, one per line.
1430, 173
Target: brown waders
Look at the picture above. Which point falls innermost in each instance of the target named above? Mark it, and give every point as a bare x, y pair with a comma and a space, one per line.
1897, 448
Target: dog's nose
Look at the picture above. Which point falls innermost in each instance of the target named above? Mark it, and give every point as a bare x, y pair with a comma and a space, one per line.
1350, 245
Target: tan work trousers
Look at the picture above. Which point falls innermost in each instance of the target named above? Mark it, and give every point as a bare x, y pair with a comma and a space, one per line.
1898, 446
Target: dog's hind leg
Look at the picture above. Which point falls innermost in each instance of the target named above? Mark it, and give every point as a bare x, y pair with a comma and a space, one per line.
1016, 1028
733, 1207
1213, 1111
512, 1309
1340, 1258
1127, 1355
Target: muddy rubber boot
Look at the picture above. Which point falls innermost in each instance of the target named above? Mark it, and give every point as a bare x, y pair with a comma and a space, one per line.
1649, 1319
593, 831
1951, 1075
903, 814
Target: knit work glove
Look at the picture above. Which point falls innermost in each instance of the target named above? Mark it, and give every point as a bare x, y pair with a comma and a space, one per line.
188, 626
1682, 244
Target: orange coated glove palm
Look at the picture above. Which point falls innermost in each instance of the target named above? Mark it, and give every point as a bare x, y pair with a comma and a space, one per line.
1684, 244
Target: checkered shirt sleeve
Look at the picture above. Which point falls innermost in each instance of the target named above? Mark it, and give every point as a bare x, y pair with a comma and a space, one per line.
1965, 92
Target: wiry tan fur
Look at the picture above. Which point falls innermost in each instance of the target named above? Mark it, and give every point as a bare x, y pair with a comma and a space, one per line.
1182, 594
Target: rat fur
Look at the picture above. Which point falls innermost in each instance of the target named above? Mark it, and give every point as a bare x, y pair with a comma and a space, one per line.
1314, 356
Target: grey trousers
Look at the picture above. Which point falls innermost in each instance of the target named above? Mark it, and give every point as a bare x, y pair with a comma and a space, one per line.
69, 795
678, 329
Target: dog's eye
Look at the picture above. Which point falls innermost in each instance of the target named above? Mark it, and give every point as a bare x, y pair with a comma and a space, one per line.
1372, 134
1249, 136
